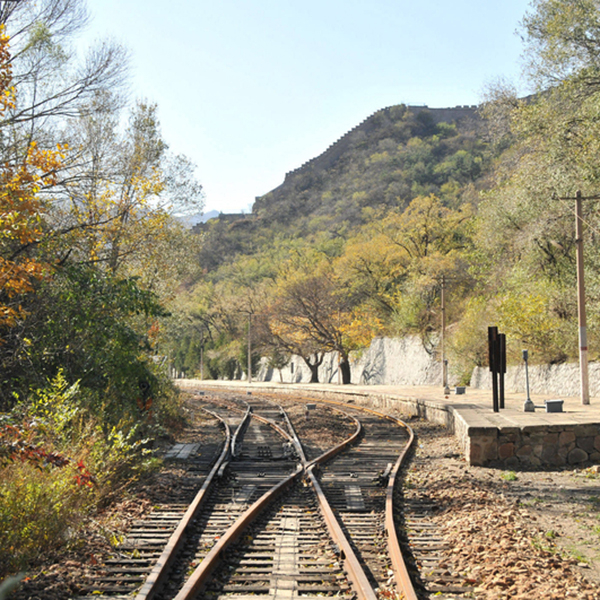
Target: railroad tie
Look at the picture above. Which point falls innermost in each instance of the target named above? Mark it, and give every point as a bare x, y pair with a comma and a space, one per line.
285, 559
354, 497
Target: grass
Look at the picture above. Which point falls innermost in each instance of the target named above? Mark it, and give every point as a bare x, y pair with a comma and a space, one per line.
577, 555
541, 542
508, 476
39, 512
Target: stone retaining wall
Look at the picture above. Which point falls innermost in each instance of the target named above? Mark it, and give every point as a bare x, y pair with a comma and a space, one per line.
389, 361
562, 380
530, 447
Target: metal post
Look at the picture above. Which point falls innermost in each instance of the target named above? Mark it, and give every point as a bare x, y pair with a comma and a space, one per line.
493, 359
529, 406
501, 365
249, 349
443, 339
202, 356
583, 346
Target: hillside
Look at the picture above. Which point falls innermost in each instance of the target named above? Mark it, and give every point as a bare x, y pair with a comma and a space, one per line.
387, 160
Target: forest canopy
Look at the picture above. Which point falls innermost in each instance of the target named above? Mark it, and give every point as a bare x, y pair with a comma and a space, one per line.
91, 252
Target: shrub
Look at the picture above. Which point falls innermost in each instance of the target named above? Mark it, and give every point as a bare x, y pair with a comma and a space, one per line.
40, 510
58, 464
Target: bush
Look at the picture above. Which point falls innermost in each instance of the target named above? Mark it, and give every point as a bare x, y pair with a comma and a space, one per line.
40, 510
59, 463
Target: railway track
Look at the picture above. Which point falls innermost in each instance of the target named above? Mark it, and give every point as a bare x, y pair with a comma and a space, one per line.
268, 521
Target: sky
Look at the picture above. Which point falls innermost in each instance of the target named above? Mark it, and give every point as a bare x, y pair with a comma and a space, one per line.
252, 89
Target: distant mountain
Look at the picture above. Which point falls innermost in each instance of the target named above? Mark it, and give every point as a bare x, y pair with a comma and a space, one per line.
396, 154
192, 220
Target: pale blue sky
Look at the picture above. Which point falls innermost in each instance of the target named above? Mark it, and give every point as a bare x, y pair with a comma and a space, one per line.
251, 89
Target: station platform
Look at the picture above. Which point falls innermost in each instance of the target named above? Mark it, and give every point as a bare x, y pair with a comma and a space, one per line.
510, 438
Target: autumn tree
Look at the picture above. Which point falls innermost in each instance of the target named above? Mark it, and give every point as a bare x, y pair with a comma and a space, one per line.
526, 234
54, 83
396, 264
314, 312
20, 209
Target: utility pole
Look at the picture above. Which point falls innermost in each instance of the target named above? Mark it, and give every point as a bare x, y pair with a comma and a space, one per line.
202, 355
581, 317
249, 348
583, 346
442, 341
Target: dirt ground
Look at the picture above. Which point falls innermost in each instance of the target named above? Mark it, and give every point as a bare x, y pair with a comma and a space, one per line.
511, 534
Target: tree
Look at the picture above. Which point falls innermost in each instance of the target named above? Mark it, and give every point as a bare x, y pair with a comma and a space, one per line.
53, 84
121, 193
525, 234
396, 263
314, 313
20, 209
563, 42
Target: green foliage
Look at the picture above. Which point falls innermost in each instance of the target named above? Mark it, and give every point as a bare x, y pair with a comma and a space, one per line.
400, 155
527, 318
404, 201
563, 40
59, 463
468, 346
526, 233
39, 512
81, 390
93, 328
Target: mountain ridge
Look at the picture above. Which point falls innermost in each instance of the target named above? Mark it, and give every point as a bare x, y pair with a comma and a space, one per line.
333, 151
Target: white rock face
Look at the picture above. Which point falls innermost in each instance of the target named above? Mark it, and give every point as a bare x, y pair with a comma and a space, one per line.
562, 380
405, 361
387, 361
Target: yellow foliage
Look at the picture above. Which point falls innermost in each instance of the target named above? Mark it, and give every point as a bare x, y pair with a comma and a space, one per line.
526, 317
358, 327
20, 207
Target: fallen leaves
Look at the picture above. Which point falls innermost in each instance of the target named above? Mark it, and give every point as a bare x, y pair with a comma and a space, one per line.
494, 543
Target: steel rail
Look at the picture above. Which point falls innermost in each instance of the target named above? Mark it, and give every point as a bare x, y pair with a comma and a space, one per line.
203, 571
214, 557
282, 432
296, 440
161, 569
337, 449
239, 431
401, 576
403, 581
200, 576
356, 573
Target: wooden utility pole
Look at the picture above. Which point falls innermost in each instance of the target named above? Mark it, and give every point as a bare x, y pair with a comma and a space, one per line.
202, 355
582, 321
249, 349
442, 341
583, 345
